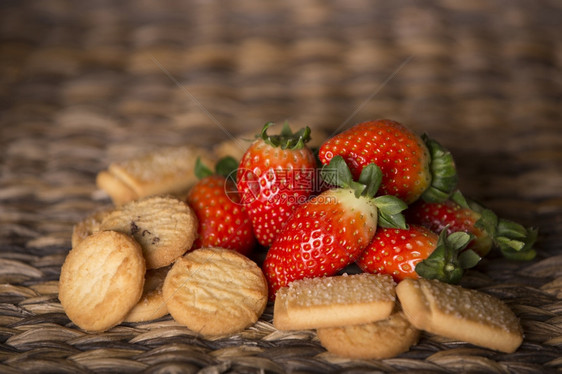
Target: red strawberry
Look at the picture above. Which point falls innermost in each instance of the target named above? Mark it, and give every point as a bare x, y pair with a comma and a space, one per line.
223, 221
448, 214
412, 166
275, 176
417, 251
330, 231
487, 230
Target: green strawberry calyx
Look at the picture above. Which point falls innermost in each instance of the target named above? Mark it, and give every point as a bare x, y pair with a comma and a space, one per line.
514, 241
389, 208
444, 177
225, 167
286, 139
449, 260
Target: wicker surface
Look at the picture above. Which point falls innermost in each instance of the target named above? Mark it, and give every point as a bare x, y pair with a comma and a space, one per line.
87, 83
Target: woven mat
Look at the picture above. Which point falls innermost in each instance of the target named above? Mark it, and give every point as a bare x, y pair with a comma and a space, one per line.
87, 83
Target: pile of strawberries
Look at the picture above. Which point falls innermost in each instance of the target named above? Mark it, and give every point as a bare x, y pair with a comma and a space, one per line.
377, 195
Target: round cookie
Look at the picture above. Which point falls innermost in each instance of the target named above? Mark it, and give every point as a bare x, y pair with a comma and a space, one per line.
88, 226
151, 305
215, 291
165, 227
101, 280
377, 340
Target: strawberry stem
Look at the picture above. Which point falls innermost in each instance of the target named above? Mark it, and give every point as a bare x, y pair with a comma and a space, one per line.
448, 261
443, 172
286, 139
337, 173
389, 207
390, 212
224, 167
201, 170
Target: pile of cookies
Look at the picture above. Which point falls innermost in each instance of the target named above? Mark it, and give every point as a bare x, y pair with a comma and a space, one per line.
128, 264
134, 262
358, 316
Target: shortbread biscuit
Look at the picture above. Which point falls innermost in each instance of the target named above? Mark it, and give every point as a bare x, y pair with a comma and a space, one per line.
88, 226
101, 280
215, 291
459, 313
164, 226
168, 170
376, 340
119, 192
151, 305
334, 301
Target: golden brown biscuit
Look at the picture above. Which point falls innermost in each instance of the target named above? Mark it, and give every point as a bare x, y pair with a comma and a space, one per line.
168, 170
458, 313
119, 192
215, 291
376, 340
101, 280
151, 305
88, 226
165, 227
334, 301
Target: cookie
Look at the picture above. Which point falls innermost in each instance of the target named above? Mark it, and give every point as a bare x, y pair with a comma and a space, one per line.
88, 226
164, 226
167, 170
376, 340
101, 280
334, 301
117, 190
215, 291
151, 305
459, 313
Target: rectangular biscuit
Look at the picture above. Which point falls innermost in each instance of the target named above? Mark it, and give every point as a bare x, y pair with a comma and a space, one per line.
458, 313
334, 301
165, 171
119, 192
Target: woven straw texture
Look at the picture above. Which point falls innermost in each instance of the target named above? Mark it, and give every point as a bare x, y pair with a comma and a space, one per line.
87, 83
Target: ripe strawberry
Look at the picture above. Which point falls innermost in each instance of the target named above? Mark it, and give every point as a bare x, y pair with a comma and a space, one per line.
223, 221
275, 176
417, 251
412, 166
329, 232
460, 214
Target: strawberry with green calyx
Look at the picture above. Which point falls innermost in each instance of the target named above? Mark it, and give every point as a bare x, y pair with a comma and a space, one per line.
331, 230
412, 167
275, 175
448, 214
418, 252
461, 214
223, 221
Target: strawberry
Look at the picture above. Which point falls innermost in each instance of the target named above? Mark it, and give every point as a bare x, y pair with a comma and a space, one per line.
275, 176
418, 251
488, 231
412, 166
330, 231
223, 221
